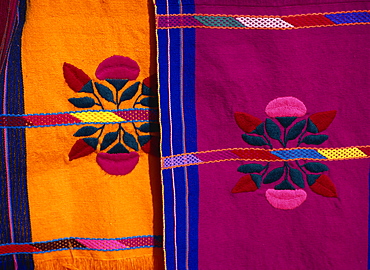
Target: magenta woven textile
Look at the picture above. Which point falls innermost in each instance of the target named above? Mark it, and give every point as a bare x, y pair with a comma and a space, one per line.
265, 133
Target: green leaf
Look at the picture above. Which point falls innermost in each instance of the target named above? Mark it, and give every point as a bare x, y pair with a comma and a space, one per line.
315, 139
118, 148
274, 175
109, 138
149, 102
105, 92
144, 139
87, 88
117, 83
311, 127
311, 178
149, 127
286, 121
93, 142
130, 141
85, 131
257, 179
316, 167
145, 90
130, 92
251, 168
254, 140
295, 130
260, 129
84, 102
296, 177
285, 185
273, 129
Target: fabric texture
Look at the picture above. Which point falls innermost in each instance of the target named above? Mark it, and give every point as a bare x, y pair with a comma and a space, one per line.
80, 171
265, 140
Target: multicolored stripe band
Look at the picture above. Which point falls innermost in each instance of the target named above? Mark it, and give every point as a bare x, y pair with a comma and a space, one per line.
263, 22
78, 118
145, 241
255, 154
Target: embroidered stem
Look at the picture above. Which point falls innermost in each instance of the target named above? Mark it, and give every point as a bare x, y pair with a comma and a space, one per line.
268, 141
101, 131
266, 169
303, 133
95, 95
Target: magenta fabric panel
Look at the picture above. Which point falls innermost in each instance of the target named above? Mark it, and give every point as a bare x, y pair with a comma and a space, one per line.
289, 77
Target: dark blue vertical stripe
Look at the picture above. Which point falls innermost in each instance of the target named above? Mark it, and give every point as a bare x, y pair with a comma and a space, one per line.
16, 152
176, 103
191, 138
177, 139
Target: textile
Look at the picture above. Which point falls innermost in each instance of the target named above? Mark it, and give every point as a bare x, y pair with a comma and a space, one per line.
80, 172
265, 135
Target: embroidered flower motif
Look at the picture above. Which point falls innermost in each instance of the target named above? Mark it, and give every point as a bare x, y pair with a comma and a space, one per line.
293, 175
115, 86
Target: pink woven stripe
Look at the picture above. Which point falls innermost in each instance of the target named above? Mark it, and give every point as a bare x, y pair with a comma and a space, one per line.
102, 244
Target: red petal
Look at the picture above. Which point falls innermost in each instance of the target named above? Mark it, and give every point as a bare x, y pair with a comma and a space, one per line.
151, 82
245, 184
322, 120
152, 146
80, 149
75, 77
324, 186
246, 122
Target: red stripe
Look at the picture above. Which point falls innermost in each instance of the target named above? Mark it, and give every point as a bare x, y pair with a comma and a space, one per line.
308, 20
17, 248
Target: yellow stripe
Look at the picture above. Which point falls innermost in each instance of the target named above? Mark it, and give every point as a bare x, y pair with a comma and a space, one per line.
343, 153
98, 117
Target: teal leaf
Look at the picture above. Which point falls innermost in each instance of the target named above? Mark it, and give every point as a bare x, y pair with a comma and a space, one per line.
105, 92
84, 102
87, 88
296, 177
315, 139
311, 127
295, 130
285, 185
130, 141
117, 83
286, 121
93, 142
316, 167
130, 92
311, 178
149, 127
254, 140
144, 139
273, 129
145, 90
149, 102
274, 175
251, 168
109, 138
118, 148
260, 129
257, 179
85, 131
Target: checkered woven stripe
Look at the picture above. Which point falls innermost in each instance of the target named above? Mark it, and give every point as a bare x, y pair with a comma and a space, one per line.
255, 154
78, 118
263, 22
146, 241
